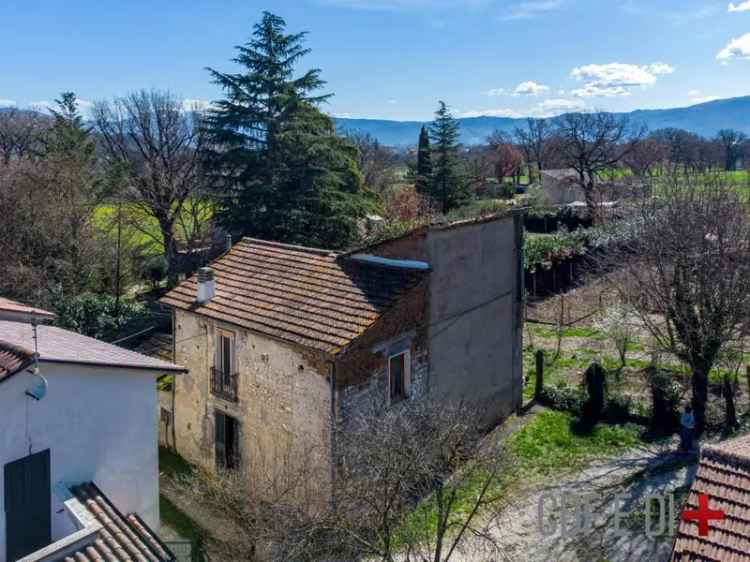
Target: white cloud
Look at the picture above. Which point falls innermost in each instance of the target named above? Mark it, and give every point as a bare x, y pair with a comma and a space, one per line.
594, 90
696, 96
530, 88
741, 7
7, 103
530, 9
491, 113
659, 68
737, 48
547, 108
42, 106
392, 102
494, 92
195, 105
615, 79
552, 107
45, 106
705, 99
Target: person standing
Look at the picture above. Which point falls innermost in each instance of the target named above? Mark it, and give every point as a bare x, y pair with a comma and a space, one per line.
687, 421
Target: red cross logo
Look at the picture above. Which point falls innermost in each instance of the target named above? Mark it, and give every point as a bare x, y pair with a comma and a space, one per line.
703, 515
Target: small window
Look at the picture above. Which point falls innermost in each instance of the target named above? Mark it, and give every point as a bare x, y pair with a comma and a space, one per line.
224, 372
225, 352
227, 441
398, 375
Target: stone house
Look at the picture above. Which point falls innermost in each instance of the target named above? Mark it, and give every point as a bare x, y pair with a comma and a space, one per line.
79, 475
561, 187
281, 342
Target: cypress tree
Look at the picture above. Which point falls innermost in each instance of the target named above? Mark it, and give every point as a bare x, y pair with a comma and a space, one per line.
275, 159
447, 186
424, 162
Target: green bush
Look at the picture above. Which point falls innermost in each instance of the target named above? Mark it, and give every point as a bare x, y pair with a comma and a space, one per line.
563, 398
619, 409
101, 317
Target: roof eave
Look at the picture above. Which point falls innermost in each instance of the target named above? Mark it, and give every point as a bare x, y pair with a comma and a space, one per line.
176, 369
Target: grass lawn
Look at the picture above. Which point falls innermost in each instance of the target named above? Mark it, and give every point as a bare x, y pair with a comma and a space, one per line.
147, 234
550, 444
173, 517
546, 445
172, 464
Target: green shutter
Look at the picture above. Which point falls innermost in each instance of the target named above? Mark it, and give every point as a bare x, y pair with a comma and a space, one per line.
28, 515
221, 439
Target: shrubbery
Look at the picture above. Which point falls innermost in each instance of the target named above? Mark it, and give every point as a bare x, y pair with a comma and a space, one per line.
102, 317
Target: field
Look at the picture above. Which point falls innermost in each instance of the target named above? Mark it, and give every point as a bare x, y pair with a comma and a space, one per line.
141, 230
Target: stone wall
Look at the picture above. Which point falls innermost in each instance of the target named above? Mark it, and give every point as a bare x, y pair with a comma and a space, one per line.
361, 370
283, 405
473, 321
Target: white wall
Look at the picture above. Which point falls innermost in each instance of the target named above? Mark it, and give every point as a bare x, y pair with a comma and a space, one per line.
99, 424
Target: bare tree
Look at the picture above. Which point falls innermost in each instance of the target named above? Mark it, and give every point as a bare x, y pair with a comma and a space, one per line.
732, 144
150, 136
413, 483
21, 133
479, 165
376, 162
534, 140
508, 161
645, 157
50, 248
686, 273
593, 143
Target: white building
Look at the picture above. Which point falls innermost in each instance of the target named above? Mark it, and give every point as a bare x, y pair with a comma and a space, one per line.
78, 448
16, 311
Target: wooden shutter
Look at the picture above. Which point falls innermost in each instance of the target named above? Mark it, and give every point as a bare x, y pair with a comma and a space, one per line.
28, 504
220, 422
396, 371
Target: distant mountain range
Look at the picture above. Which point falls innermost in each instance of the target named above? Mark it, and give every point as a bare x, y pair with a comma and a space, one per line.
705, 119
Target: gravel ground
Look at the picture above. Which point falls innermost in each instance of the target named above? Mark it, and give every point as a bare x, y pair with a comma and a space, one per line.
654, 469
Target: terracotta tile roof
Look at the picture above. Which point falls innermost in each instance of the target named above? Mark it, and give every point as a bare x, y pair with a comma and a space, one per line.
724, 475
158, 345
121, 537
62, 346
7, 305
13, 358
315, 298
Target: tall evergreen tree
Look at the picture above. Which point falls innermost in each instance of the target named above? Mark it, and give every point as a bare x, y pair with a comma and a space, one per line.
424, 162
447, 186
275, 158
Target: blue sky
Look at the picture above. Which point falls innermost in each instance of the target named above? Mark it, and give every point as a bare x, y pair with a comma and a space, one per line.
393, 58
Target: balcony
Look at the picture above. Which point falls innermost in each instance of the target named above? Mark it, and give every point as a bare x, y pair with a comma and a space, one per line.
224, 385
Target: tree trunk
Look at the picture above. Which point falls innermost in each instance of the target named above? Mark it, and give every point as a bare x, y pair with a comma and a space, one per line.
700, 398
730, 419
170, 249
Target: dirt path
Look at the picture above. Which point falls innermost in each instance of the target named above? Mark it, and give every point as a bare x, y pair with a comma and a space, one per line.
655, 469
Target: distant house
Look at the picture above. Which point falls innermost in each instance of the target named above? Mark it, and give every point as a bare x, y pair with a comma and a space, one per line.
561, 187
78, 448
12, 310
282, 342
723, 475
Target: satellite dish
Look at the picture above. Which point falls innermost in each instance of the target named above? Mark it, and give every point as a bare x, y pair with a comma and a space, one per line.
37, 389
